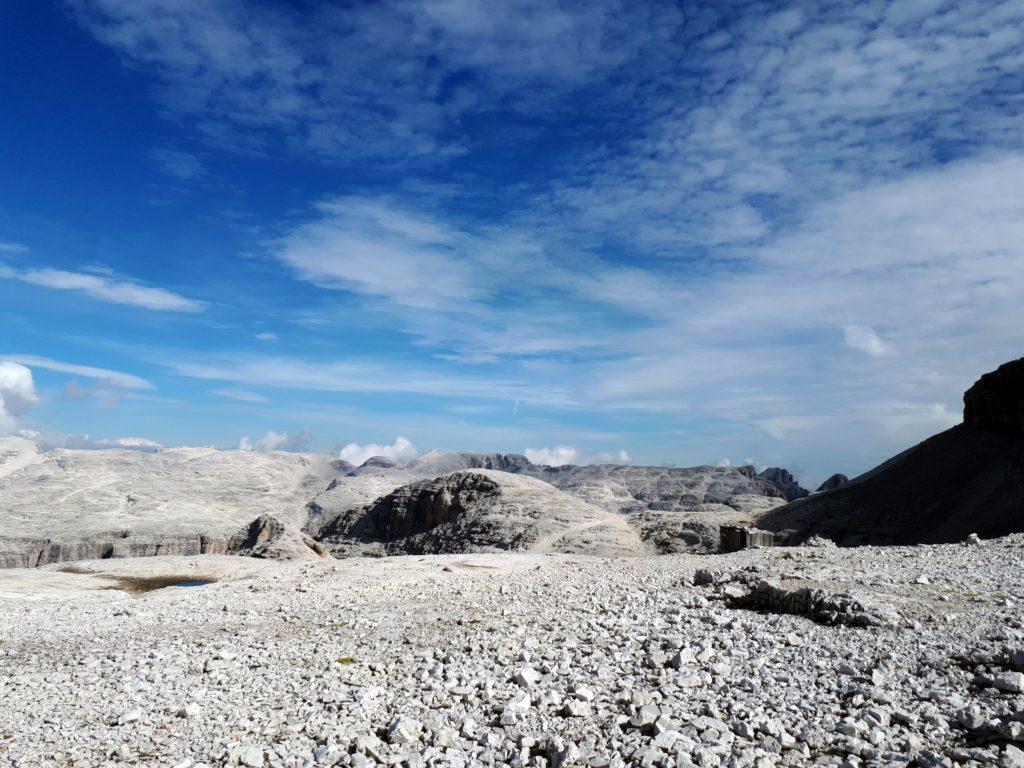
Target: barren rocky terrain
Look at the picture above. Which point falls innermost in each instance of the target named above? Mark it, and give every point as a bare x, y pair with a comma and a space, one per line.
898, 655
67, 505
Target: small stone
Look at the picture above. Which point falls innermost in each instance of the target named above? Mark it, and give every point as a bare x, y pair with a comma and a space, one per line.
250, 756
1012, 757
1009, 682
131, 716
404, 730
527, 677
518, 705
575, 708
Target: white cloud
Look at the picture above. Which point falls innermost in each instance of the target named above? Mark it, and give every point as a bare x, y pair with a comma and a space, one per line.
370, 247
359, 376
136, 443
834, 166
17, 394
782, 427
378, 79
13, 248
864, 338
724, 463
400, 450
49, 440
113, 378
241, 395
178, 163
278, 441
115, 291
567, 454
266, 336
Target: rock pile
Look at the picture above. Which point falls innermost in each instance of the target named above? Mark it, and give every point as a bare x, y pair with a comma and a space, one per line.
518, 660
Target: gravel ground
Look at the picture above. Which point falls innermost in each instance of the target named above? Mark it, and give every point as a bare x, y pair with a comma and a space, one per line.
520, 660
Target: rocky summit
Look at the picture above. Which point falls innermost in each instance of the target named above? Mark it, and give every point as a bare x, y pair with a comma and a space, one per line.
968, 479
996, 401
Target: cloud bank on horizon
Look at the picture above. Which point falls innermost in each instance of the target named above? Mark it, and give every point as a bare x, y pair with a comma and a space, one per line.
789, 230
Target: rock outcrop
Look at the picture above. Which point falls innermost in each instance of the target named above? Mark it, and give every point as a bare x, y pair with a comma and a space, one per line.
674, 509
783, 481
837, 480
968, 479
16, 552
268, 537
629, 489
479, 511
996, 400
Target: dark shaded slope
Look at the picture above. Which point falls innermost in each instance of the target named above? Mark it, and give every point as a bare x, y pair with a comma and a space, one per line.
968, 479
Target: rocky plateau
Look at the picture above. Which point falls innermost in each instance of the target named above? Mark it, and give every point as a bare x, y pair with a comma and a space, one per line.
472, 610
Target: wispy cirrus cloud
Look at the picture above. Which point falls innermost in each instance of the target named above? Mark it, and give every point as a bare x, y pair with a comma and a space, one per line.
352, 375
104, 287
364, 80
177, 162
758, 214
242, 395
113, 378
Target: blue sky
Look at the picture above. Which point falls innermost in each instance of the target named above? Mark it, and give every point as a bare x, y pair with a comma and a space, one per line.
684, 232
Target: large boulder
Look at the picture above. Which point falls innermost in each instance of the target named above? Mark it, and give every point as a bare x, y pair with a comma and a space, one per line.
269, 538
996, 401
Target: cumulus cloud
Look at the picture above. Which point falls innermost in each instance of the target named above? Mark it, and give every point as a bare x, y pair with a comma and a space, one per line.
105, 288
864, 338
278, 441
567, 454
400, 450
17, 394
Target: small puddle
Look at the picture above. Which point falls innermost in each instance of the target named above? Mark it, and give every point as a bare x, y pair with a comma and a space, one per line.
141, 584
